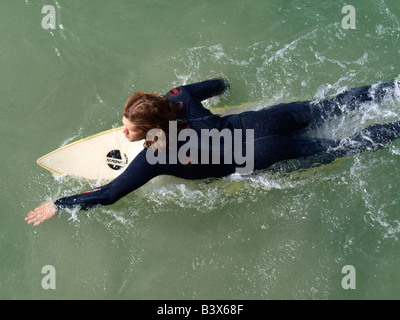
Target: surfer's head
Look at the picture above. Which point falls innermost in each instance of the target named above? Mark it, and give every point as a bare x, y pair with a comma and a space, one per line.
131, 131
146, 111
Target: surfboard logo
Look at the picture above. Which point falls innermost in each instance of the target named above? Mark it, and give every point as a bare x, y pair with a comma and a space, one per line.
115, 160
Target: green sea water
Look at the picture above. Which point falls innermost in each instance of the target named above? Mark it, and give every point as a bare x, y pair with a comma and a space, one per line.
264, 236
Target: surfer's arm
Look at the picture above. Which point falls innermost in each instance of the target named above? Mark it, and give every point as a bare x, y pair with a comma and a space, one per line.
105, 195
206, 89
137, 174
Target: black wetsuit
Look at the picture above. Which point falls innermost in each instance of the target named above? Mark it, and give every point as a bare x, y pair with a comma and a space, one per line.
278, 135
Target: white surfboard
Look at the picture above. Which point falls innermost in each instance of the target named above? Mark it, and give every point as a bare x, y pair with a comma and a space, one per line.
102, 156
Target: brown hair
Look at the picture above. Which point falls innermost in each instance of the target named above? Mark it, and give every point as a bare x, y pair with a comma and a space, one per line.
150, 111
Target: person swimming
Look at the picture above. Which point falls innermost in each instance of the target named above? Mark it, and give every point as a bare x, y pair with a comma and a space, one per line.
251, 140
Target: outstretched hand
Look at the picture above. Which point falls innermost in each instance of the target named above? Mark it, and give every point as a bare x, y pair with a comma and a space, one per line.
41, 213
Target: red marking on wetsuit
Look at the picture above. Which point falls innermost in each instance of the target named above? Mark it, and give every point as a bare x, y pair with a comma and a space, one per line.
175, 91
189, 162
93, 190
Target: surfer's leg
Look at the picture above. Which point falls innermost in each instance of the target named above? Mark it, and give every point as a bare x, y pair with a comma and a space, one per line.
271, 149
312, 146
297, 117
290, 118
371, 138
352, 99
281, 119
323, 151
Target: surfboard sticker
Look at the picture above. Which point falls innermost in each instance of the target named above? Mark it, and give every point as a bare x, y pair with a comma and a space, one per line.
102, 156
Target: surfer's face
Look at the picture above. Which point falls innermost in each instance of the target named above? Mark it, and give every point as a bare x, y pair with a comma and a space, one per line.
131, 132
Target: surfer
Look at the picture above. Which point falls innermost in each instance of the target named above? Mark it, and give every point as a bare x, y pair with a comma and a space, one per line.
277, 133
